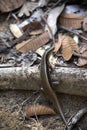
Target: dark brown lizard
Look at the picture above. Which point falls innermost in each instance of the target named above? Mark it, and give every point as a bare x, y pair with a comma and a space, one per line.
47, 84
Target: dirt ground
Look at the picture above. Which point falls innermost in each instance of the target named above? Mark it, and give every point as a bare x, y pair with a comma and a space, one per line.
13, 106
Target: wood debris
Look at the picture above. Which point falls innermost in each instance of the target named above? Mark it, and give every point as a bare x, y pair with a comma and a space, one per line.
34, 24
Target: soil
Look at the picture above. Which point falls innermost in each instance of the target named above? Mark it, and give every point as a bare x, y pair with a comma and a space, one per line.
13, 106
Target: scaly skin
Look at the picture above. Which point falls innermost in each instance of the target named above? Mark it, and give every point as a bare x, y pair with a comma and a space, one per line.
47, 85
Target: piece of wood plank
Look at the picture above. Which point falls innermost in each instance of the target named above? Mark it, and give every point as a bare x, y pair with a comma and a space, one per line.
71, 80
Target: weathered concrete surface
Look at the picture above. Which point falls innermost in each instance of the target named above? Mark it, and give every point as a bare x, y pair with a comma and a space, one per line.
71, 80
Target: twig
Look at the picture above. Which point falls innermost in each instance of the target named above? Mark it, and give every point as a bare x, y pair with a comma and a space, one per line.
80, 55
18, 40
8, 46
70, 30
72, 122
49, 29
50, 122
29, 98
34, 107
58, 2
7, 65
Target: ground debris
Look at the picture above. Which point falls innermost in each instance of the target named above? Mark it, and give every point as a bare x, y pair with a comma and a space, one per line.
27, 26
13, 104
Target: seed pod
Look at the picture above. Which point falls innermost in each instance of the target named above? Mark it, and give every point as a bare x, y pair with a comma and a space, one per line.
38, 110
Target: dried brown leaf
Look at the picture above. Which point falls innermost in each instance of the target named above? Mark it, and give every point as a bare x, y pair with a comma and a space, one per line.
67, 54
38, 110
83, 47
17, 30
36, 32
53, 17
33, 44
82, 61
8, 6
35, 26
73, 44
68, 47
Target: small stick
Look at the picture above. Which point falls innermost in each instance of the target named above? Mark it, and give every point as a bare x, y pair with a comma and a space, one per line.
57, 3
70, 30
18, 40
49, 29
80, 55
72, 122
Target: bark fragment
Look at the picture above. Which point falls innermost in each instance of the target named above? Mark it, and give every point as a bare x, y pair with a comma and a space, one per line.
71, 80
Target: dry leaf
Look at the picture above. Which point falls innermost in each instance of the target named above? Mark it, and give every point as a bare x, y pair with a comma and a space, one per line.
8, 6
24, 11
68, 47
52, 18
35, 24
36, 16
73, 44
82, 61
33, 44
35, 126
15, 30
38, 110
36, 32
66, 50
40, 51
43, 3
27, 8
38, 29
83, 47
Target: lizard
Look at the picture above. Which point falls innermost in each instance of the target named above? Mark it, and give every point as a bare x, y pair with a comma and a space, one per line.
47, 84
